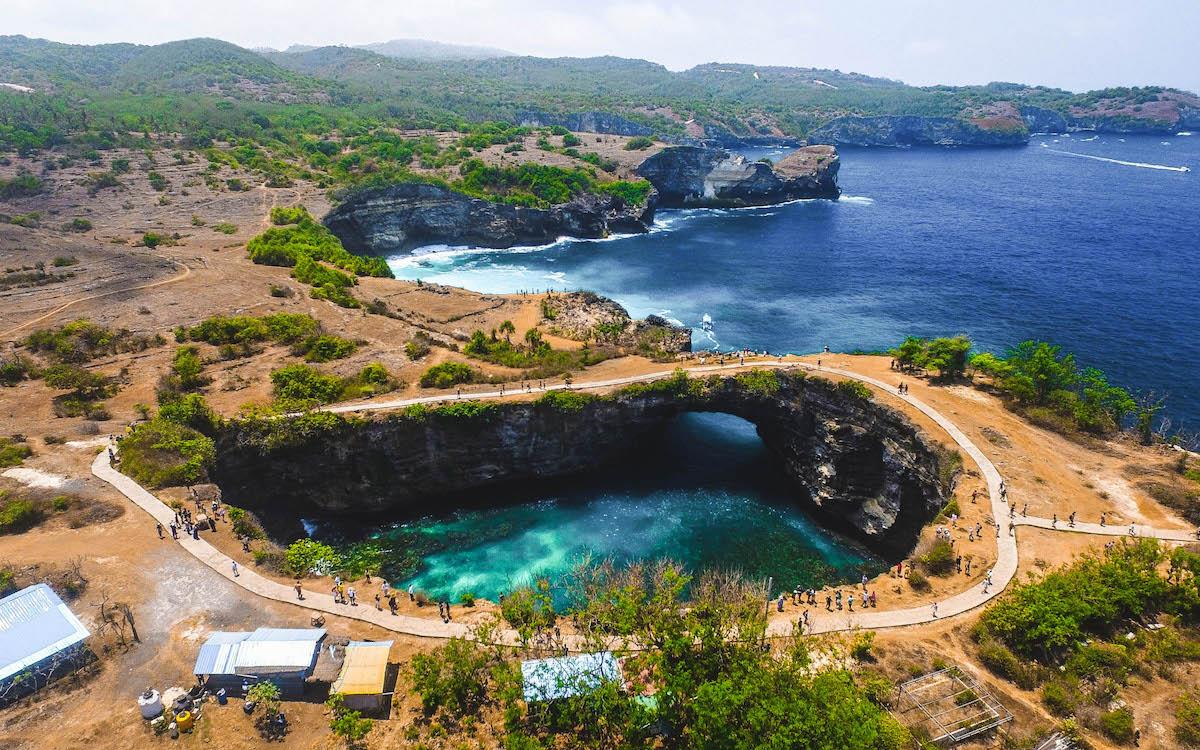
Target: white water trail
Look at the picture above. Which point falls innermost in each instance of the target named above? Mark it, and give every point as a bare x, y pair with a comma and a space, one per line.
1139, 164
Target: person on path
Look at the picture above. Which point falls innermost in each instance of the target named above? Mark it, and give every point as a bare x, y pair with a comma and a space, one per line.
353, 597
411, 595
233, 564
174, 531
299, 591
779, 603
796, 596
1025, 510
1071, 520
806, 619
337, 595
968, 570
378, 602
196, 533
828, 603
1102, 519
934, 610
384, 588
872, 599
850, 603
864, 581
1054, 522
158, 527
958, 563
392, 603
974, 494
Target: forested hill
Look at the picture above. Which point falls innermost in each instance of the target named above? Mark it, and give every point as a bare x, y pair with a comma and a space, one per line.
217, 83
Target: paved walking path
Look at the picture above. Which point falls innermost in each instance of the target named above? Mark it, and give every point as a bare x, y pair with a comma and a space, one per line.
820, 621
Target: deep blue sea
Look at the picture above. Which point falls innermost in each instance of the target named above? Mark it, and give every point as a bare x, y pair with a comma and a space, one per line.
1001, 244
1099, 254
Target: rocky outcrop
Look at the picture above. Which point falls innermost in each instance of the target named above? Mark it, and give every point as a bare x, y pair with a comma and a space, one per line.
1042, 120
695, 176
584, 122
398, 217
587, 316
911, 130
861, 467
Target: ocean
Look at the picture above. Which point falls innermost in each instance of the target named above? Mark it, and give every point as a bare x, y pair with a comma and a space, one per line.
1088, 241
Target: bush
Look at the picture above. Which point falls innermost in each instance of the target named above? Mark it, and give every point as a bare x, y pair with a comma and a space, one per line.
18, 515
13, 452
302, 385
225, 227
305, 556
1118, 725
917, 580
162, 453
452, 678
1187, 719
639, 143
79, 225
1058, 699
938, 560
566, 400
448, 375
327, 347
244, 523
854, 389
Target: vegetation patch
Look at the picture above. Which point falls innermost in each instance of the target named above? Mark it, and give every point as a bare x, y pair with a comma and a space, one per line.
13, 452
82, 341
164, 452
534, 355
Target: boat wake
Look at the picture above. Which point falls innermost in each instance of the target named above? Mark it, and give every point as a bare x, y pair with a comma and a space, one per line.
1142, 165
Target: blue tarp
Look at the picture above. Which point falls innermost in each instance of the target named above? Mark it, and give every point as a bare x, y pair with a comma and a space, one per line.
34, 626
553, 679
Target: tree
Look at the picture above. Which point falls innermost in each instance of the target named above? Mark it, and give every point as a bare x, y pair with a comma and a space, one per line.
508, 329
351, 726
910, 352
83, 384
265, 696
948, 356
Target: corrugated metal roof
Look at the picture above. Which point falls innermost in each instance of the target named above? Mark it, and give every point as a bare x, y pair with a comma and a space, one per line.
219, 653
364, 669
285, 655
242, 653
552, 679
34, 625
287, 634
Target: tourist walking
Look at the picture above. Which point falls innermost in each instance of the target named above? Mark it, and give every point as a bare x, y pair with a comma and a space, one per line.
933, 609
411, 592
299, 591
158, 527
353, 597
850, 603
392, 603
233, 564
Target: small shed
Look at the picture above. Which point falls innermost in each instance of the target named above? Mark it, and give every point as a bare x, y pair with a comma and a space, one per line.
283, 656
567, 676
38, 635
364, 675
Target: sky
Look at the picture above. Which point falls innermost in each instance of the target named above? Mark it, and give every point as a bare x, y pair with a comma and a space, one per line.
1070, 44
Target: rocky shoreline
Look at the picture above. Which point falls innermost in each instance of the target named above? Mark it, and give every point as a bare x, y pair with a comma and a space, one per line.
399, 217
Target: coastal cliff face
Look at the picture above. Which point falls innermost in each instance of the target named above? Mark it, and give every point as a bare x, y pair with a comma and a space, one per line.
910, 130
1041, 120
403, 216
695, 176
860, 467
606, 123
587, 316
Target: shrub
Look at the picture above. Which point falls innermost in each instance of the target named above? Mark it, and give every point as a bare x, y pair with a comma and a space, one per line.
448, 375
917, 580
304, 237
301, 384
347, 724
305, 556
13, 452
854, 389
452, 678
225, 227
24, 185
417, 347
1187, 719
79, 225
327, 347
1117, 725
162, 453
1058, 699
566, 400
244, 523
18, 515
639, 143
570, 140
938, 560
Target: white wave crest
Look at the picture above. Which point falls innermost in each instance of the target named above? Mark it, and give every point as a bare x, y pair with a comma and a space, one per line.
857, 200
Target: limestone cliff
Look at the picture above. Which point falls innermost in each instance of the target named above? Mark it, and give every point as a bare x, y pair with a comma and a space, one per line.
403, 216
860, 467
696, 176
587, 316
911, 130
584, 122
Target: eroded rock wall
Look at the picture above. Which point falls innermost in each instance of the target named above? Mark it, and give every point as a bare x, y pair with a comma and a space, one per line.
860, 467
